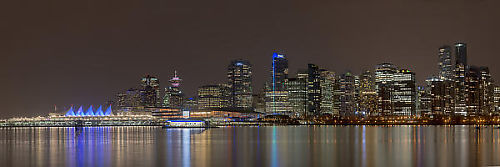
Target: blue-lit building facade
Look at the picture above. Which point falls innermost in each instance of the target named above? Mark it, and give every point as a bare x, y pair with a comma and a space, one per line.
89, 112
276, 93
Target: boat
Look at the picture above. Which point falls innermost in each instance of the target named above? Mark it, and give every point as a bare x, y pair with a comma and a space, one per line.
186, 123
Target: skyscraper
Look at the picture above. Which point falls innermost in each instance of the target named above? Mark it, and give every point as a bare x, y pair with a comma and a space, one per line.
480, 91
384, 85
347, 96
367, 93
130, 98
441, 96
461, 69
297, 92
424, 100
472, 87
327, 91
213, 96
496, 99
239, 76
445, 66
279, 72
313, 89
150, 91
277, 94
404, 94
173, 95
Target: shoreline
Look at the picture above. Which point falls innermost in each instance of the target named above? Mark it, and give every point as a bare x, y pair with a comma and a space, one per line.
263, 125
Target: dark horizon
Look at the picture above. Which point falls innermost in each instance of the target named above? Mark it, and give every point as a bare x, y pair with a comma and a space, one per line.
82, 53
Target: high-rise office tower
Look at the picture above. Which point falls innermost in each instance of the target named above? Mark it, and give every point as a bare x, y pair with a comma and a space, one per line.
277, 94
279, 72
347, 96
214, 96
442, 96
384, 85
480, 91
239, 74
472, 87
297, 92
327, 92
150, 91
313, 89
496, 99
424, 100
130, 98
445, 65
461, 69
173, 95
404, 93
367, 93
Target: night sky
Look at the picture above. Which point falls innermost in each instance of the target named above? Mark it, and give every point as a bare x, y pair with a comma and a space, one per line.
84, 52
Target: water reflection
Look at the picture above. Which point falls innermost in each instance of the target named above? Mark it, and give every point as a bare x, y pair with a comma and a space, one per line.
252, 146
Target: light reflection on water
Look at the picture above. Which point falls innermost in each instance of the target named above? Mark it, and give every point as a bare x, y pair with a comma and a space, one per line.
251, 146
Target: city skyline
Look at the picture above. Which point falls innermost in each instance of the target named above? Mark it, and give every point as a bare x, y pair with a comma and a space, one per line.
88, 55
158, 86
388, 90
250, 83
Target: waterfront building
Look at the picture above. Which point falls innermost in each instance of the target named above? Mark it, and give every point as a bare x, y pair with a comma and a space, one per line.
313, 89
207, 114
150, 91
424, 101
347, 95
239, 76
89, 113
486, 94
404, 93
357, 84
190, 104
214, 96
445, 64
130, 98
496, 99
367, 93
276, 92
384, 86
327, 92
479, 97
297, 91
442, 96
259, 101
173, 95
461, 69
279, 72
277, 103
472, 87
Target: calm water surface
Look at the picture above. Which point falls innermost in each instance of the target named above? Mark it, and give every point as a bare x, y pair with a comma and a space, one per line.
251, 146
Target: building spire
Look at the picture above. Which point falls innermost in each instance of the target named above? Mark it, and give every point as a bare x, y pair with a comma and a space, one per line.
175, 81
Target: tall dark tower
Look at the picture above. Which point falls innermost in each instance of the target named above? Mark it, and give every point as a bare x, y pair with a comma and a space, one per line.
239, 74
461, 53
313, 89
279, 72
460, 78
445, 66
277, 93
